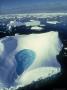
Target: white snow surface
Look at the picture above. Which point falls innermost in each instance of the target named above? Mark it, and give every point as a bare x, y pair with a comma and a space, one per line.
36, 74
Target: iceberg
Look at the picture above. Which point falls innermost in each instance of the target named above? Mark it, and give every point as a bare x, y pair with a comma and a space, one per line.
29, 54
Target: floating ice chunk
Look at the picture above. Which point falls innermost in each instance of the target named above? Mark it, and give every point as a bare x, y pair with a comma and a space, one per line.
32, 23
36, 28
65, 48
14, 24
52, 22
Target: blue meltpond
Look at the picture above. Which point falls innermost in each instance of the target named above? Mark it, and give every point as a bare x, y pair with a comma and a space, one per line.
24, 59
